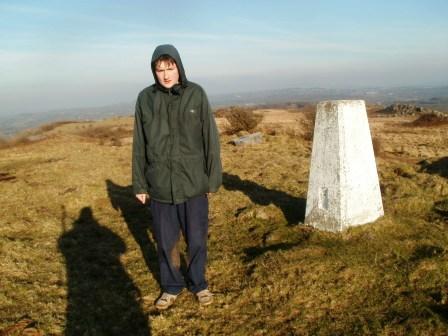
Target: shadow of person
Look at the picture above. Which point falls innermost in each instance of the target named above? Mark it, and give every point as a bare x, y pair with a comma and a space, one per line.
101, 296
439, 167
138, 219
292, 207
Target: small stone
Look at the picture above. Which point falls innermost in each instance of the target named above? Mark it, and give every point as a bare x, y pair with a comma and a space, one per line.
255, 138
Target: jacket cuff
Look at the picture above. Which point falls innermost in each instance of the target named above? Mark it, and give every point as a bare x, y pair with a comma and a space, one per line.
140, 191
213, 189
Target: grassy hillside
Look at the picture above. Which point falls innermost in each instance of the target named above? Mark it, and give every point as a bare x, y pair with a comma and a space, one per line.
77, 253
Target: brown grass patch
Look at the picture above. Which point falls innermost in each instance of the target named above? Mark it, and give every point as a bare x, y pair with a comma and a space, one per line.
377, 147
51, 126
6, 177
23, 139
308, 109
374, 109
3, 142
111, 135
430, 120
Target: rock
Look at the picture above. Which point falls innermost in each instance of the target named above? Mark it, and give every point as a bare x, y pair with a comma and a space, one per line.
406, 109
250, 139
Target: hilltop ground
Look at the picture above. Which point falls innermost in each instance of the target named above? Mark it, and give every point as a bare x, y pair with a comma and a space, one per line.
77, 254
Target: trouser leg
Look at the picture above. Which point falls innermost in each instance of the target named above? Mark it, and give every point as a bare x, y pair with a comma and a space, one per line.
167, 231
193, 216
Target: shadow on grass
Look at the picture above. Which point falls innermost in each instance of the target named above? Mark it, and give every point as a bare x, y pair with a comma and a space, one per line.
292, 207
426, 251
441, 310
439, 167
256, 251
102, 298
138, 219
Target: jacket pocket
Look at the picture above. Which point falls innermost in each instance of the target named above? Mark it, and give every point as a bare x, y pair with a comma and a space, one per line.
193, 178
158, 178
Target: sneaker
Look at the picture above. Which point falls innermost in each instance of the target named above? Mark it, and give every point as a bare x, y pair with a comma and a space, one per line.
205, 297
165, 301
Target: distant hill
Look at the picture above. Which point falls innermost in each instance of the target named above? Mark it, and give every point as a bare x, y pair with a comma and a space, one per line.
436, 97
431, 97
12, 124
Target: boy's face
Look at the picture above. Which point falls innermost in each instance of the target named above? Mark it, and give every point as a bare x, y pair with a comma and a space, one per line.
167, 74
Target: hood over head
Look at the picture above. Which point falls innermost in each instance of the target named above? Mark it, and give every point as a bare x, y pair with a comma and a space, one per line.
170, 50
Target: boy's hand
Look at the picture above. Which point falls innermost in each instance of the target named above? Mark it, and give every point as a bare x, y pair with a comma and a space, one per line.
143, 198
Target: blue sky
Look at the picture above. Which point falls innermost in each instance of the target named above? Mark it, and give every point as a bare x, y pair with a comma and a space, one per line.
59, 54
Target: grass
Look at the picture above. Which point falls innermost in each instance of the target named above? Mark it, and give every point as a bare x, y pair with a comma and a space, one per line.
78, 257
430, 120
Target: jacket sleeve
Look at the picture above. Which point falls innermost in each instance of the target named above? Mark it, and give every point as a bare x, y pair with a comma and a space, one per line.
211, 146
139, 184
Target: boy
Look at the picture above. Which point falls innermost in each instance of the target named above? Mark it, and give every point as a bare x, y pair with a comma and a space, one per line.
175, 165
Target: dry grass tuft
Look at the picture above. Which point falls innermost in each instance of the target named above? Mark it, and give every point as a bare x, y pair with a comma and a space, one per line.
112, 135
24, 327
430, 120
377, 148
51, 126
240, 119
308, 122
309, 110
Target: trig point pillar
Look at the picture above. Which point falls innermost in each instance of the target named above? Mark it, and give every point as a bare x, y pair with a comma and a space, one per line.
343, 185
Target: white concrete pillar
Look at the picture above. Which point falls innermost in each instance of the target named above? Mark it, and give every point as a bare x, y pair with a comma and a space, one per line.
343, 188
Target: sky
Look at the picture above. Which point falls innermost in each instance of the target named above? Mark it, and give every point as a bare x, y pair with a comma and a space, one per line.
64, 54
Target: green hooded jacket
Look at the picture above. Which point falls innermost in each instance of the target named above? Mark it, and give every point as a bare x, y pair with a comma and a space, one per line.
176, 151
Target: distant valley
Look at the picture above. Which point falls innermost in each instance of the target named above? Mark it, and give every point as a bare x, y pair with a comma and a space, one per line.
431, 97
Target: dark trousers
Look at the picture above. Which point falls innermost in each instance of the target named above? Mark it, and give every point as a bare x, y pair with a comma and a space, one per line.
169, 220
